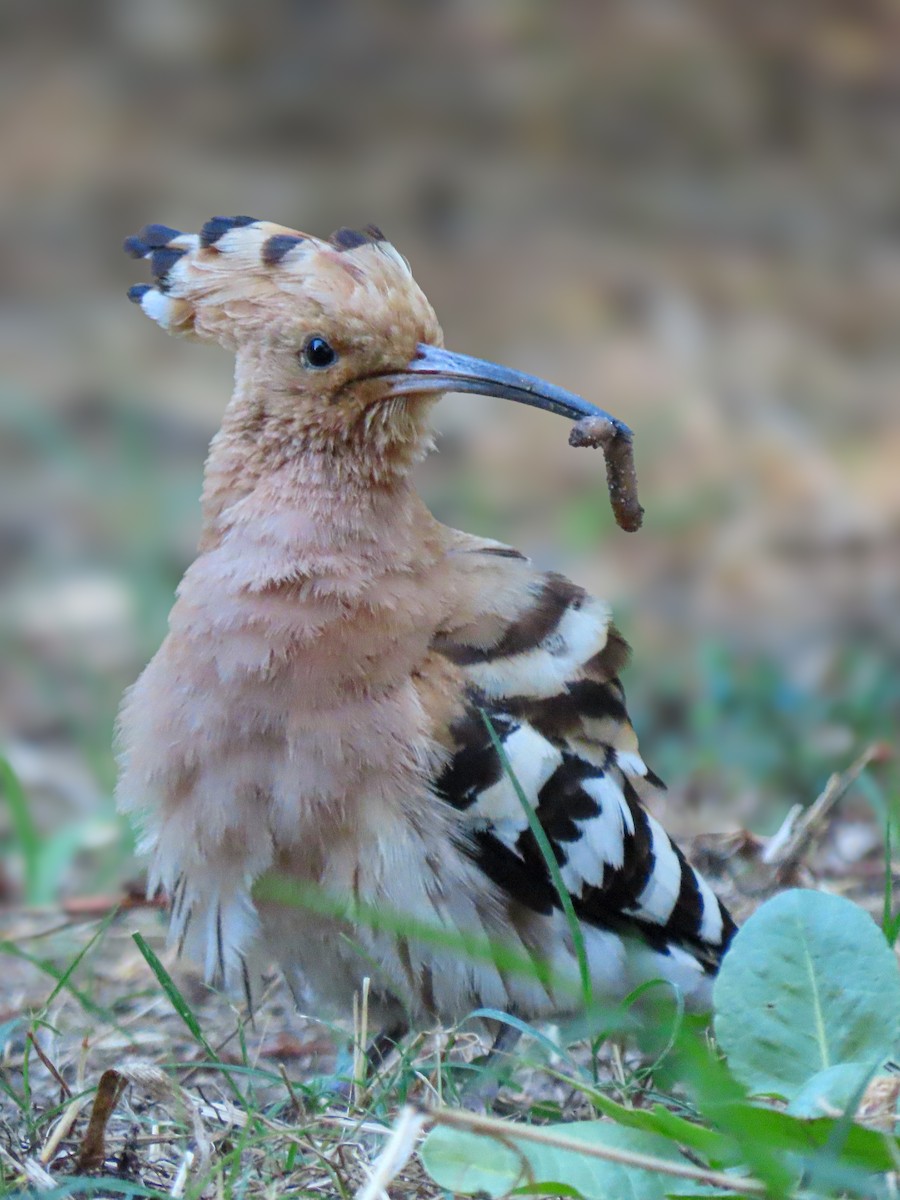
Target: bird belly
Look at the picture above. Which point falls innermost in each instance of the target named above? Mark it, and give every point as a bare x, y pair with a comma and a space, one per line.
429, 934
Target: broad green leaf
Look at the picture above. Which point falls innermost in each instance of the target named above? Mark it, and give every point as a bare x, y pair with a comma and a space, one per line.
808, 983
467, 1163
862, 1148
830, 1091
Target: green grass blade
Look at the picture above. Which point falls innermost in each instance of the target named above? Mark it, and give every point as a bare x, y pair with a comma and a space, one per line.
890, 921
66, 975
7, 1029
181, 1006
82, 1185
505, 1018
63, 980
26, 833
168, 985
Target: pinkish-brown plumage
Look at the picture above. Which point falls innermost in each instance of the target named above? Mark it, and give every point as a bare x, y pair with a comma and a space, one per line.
314, 712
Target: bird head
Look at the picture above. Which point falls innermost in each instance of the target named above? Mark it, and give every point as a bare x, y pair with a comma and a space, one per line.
338, 349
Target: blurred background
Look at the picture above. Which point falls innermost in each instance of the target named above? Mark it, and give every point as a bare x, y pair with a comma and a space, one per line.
686, 210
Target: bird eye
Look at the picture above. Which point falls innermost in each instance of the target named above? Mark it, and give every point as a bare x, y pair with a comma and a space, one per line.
318, 353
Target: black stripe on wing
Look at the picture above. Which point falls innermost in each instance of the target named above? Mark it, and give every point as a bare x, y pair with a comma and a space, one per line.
475, 765
551, 601
563, 808
560, 716
597, 828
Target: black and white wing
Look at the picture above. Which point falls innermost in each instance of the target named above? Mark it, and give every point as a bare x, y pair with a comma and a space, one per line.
542, 659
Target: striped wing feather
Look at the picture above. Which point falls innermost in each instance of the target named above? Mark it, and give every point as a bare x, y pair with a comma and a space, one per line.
547, 679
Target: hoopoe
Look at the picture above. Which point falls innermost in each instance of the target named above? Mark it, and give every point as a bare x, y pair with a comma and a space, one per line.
317, 710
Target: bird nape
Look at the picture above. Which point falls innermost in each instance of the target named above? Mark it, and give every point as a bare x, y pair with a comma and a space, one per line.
329, 753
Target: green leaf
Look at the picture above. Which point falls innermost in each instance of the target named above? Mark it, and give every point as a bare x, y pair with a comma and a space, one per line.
468, 1163
865, 1149
808, 983
465, 1163
830, 1090
717, 1096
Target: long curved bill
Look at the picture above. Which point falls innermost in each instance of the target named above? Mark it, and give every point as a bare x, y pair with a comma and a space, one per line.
437, 370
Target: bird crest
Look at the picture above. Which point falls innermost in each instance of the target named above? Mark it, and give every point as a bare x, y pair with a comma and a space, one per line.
240, 277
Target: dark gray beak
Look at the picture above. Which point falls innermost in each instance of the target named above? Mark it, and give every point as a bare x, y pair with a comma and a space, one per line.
437, 370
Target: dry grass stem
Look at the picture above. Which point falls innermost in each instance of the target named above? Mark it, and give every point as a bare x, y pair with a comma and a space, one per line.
61, 1129
396, 1153
42, 1055
507, 1132
801, 826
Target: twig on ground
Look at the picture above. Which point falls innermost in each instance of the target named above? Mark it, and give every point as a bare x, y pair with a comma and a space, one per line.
92, 1154
296, 1101
787, 846
42, 1055
33, 1171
